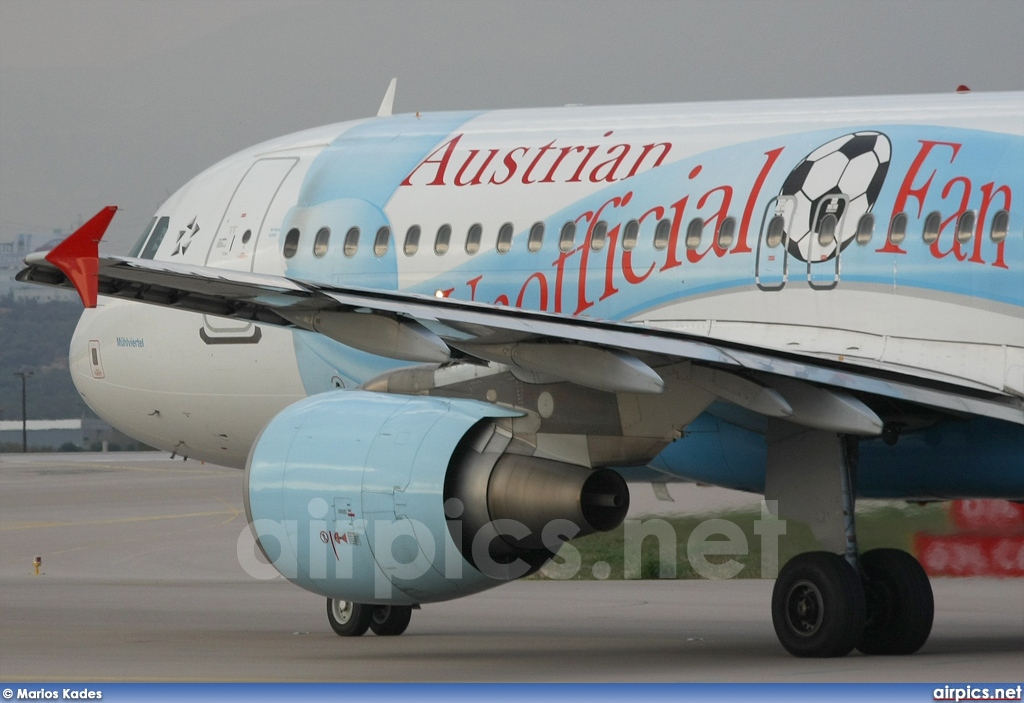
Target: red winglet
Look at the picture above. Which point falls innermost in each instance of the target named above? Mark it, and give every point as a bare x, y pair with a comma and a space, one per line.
78, 256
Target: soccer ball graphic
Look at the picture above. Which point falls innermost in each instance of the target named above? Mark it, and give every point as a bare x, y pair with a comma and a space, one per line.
842, 177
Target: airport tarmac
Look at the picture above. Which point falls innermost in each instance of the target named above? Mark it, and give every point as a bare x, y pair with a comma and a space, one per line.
141, 581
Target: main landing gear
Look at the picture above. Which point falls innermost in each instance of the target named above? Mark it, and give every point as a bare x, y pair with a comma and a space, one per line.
350, 619
824, 604
818, 606
822, 607
900, 607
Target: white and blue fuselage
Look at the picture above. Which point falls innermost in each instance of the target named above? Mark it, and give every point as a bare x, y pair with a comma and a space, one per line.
882, 232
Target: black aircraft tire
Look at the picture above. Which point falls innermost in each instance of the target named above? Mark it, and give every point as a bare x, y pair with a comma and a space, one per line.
348, 619
899, 600
818, 606
390, 620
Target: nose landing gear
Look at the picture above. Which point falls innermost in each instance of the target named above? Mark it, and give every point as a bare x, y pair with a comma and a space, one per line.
350, 619
390, 620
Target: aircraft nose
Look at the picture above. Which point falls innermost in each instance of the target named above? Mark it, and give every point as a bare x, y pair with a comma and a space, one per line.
105, 367
85, 358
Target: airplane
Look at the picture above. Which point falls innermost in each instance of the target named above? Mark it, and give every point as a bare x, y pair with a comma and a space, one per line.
438, 343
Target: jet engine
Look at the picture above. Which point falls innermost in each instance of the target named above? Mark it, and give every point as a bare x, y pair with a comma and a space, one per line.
389, 499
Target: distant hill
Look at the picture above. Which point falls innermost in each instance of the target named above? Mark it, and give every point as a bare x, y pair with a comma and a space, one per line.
35, 336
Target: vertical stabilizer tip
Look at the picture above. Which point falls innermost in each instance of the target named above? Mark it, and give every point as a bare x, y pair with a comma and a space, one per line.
388, 103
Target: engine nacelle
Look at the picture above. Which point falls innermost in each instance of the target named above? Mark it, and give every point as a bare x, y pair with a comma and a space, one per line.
377, 498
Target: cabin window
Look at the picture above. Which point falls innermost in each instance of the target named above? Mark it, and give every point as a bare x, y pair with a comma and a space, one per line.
443, 238
351, 242
694, 232
321, 242
156, 238
473, 238
505, 238
382, 241
1000, 226
630, 235
865, 228
412, 240
827, 230
291, 243
246, 236
567, 237
536, 239
662, 233
598, 236
142, 240
965, 226
727, 233
776, 232
898, 228
932, 223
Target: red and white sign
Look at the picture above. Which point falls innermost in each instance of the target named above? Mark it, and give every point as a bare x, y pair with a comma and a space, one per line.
1000, 516
970, 555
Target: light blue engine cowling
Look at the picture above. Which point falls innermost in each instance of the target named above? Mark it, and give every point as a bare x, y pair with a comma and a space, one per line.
346, 494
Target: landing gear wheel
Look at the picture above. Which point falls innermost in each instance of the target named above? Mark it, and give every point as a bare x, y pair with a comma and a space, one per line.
899, 601
818, 606
348, 619
390, 619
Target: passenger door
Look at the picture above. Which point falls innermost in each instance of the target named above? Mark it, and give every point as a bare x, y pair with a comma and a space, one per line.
234, 243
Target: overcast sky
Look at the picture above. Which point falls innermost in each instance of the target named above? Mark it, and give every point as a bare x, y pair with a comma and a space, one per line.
120, 102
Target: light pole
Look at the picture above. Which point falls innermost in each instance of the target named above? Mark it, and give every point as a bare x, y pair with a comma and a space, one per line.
24, 416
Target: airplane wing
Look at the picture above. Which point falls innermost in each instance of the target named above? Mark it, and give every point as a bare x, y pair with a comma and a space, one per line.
608, 355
